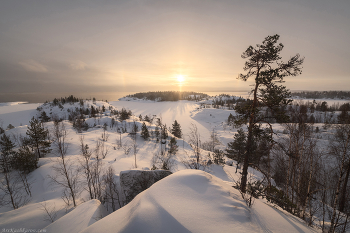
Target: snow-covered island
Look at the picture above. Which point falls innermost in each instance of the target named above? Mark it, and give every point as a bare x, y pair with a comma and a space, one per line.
138, 165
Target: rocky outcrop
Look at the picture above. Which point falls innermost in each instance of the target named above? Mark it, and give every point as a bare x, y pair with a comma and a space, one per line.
133, 182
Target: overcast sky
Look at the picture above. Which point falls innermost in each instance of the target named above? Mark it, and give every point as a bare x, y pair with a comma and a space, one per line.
55, 47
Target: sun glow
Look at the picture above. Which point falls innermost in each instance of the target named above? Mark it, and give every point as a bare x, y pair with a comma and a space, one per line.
180, 78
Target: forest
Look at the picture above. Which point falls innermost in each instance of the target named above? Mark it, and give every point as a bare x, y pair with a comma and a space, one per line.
169, 95
322, 94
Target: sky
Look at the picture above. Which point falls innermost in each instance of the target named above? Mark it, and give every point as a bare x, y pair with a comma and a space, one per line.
53, 48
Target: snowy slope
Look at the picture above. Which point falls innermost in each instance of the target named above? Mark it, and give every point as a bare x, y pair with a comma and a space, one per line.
182, 111
188, 201
81, 217
30, 216
195, 201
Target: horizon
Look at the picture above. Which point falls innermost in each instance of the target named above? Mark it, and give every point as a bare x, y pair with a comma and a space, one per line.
41, 98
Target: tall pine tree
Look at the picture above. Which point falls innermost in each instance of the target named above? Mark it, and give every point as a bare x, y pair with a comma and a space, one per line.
265, 66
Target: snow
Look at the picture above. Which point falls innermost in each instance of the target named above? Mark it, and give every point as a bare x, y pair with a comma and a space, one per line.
11, 103
17, 114
181, 111
187, 201
195, 201
31, 216
81, 217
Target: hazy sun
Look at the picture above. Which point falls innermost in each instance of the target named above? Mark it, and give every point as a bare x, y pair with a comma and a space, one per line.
180, 78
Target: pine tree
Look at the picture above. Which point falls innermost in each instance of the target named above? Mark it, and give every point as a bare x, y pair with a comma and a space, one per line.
38, 138
176, 130
236, 149
219, 157
164, 133
43, 117
6, 153
25, 159
157, 133
230, 119
265, 67
144, 131
173, 148
146, 118
10, 185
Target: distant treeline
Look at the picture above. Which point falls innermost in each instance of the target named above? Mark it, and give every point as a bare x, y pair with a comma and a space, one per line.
169, 95
68, 100
323, 94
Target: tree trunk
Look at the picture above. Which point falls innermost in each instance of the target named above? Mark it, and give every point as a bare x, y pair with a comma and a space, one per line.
332, 227
249, 141
343, 191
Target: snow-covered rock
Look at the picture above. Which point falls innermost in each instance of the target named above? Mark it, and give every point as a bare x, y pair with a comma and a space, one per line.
133, 182
195, 201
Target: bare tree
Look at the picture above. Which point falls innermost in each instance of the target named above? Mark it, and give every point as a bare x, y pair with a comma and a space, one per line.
50, 212
135, 149
96, 171
127, 146
162, 160
86, 165
119, 142
12, 191
110, 189
195, 160
101, 149
11, 185
66, 173
105, 134
340, 147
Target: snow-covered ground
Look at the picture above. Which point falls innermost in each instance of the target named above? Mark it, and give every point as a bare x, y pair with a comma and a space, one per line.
16, 113
187, 201
195, 201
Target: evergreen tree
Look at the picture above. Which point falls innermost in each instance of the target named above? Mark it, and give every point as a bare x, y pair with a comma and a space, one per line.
144, 131
219, 157
164, 132
230, 119
10, 126
124, 114
10, 184
6, 153
135, 128
43, 117
265, 67
25, 159
147, 118
236, 149
156, 132
38, 138
176, 130
344, 116
173, 147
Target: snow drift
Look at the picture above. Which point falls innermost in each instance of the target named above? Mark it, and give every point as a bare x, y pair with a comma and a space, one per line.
195, 201
81, 217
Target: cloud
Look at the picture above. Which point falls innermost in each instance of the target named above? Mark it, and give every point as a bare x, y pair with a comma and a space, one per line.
33, 66
78, 65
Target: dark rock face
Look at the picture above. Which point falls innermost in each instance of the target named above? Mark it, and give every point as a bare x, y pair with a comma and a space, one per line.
133, 182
